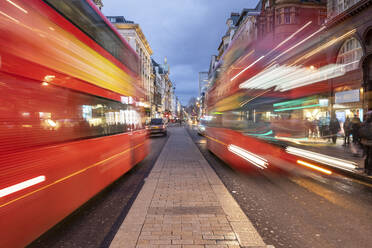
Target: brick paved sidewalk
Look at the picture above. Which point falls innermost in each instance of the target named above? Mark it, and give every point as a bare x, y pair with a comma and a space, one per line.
184, 204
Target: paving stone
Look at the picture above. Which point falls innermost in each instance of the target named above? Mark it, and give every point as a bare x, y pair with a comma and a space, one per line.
184, 204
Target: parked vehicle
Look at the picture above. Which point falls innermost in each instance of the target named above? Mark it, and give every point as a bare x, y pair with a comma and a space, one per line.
201, 128
157, 125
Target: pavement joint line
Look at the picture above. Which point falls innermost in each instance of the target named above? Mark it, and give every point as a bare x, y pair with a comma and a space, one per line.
182, 179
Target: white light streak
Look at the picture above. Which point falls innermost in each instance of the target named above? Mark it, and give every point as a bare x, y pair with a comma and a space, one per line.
321, 158
250, 157
11, 18
290, 37
17, 6
299, 43
285, 78
20, 186
237, 75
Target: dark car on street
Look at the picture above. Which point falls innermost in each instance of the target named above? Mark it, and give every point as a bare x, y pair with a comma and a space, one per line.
157, 126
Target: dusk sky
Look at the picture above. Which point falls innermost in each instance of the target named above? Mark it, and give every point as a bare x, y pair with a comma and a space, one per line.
187, 32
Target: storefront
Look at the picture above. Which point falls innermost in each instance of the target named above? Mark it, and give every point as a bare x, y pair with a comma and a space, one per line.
349, 103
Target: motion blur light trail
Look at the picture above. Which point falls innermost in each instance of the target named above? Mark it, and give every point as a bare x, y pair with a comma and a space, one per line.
314, 167
331, 161
20, 186
250, 157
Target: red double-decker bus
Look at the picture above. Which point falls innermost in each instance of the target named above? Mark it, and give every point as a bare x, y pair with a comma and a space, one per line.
70, 115
282, 104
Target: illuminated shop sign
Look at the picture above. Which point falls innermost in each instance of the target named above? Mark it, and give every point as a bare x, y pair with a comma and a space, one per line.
347, 96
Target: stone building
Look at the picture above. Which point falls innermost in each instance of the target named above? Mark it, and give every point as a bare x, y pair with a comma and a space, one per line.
137, 40
163, 90
352, 19
280, 19
226, 39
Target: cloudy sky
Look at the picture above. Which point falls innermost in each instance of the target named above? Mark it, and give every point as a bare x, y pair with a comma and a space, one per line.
187, 32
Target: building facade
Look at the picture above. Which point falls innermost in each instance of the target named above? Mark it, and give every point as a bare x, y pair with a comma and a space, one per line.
351, 19
164, 96
137, 40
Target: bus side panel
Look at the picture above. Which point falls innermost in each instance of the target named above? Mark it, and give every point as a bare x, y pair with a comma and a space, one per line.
74, 173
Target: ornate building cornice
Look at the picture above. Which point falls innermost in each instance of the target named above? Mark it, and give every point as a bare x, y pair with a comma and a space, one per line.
352, 11
139, 32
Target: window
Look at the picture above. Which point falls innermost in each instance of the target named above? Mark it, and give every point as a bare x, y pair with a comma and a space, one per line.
58, 114
322, 16
278, 17
88, 21
343, 5
294, 15
350, 54
340, 6
287, 16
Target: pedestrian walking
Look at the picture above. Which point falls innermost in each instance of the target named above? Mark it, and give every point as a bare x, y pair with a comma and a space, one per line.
355, 126
365, 133
334, 128
347, 131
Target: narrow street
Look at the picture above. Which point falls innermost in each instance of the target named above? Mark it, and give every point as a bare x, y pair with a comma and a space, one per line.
293, 211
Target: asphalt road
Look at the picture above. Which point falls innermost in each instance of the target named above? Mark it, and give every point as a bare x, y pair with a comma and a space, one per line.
300, 211
96, 222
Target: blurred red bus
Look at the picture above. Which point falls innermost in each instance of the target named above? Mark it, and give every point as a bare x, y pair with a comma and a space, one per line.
69, 118
281, 103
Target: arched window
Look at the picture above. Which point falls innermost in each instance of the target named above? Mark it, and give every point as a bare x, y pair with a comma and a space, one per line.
350, 54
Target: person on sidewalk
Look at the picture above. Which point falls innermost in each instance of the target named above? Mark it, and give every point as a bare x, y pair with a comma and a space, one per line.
365, 133
355, 126
334, 128
347, 131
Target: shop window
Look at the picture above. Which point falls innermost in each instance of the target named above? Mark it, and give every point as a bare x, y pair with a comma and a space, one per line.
350, 54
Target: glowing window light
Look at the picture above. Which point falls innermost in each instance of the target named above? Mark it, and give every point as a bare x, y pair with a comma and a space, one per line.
250, 157
17, 6
51, 123
20, 186
314, 167
321, 158
49, 78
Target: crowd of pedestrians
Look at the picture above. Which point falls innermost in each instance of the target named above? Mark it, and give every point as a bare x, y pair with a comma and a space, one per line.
357, 135
361, 133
